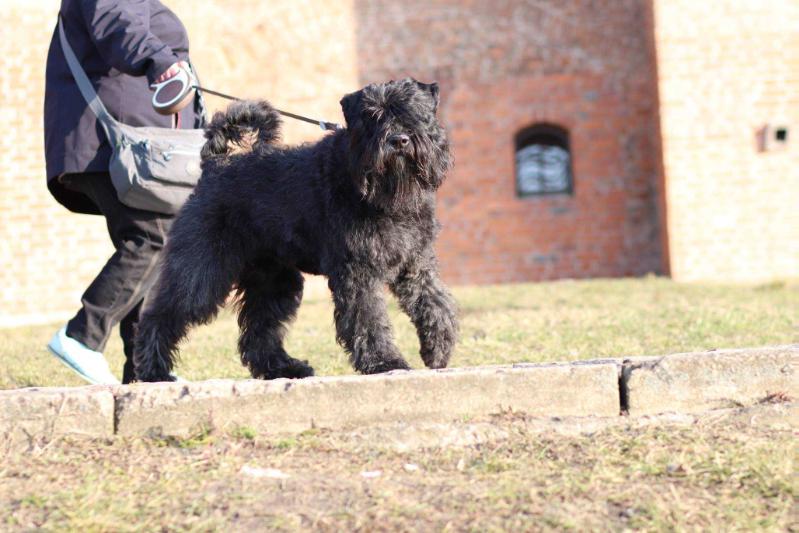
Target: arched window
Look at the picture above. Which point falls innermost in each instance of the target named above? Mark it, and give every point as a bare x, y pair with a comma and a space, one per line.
543, 161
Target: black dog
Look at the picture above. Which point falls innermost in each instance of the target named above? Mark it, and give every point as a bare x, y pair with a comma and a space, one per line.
357, 207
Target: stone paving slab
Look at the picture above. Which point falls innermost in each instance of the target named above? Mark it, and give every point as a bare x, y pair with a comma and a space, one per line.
335, 402
33, 414
693, 382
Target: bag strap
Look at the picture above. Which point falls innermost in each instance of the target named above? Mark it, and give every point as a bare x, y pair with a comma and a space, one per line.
108, 122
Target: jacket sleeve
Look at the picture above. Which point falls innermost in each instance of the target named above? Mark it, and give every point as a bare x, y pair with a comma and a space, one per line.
121, 31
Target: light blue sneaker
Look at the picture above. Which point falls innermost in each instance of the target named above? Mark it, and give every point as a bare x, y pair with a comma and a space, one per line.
88, 364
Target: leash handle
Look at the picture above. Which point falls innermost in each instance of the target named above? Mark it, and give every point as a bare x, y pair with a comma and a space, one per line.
174, 94
326, 126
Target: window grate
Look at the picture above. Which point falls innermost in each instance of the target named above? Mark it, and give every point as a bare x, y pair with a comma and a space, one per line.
543, 161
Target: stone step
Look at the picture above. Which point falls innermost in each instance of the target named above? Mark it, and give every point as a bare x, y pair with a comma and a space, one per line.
32, 415
691, 382
333, 402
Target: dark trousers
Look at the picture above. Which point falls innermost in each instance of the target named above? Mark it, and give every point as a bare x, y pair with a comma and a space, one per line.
116, 294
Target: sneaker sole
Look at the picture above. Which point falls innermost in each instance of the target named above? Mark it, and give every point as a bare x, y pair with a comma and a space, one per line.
72, 367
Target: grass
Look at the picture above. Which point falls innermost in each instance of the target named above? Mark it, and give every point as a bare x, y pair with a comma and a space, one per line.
718, 473
564, 320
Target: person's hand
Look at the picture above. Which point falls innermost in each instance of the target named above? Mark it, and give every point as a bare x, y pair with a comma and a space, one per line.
172, 71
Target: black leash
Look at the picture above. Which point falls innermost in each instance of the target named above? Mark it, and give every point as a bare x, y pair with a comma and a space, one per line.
327, 126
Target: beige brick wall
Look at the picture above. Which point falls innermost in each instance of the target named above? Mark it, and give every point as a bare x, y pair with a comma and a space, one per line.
298, 53
41, 271
726, 68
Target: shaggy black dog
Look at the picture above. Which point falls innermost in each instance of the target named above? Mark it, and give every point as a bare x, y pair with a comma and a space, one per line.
357, 207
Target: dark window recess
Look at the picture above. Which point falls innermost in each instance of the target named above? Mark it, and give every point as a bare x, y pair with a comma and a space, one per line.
543, 161
772, 138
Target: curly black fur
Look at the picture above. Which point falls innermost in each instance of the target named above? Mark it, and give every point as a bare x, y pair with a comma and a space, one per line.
357, 207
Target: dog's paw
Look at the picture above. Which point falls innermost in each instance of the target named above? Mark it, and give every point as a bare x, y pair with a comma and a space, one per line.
435, 359
381, 366
434, 364
155, 378
293, 369
436, 350
298, 369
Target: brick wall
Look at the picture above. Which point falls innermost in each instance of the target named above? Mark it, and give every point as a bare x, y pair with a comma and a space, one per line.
299, 53
503, 65
726, 68
39, 273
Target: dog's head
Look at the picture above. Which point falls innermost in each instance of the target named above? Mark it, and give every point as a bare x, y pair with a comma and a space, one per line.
397, 146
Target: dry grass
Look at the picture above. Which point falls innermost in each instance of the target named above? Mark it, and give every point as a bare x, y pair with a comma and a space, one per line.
718, 473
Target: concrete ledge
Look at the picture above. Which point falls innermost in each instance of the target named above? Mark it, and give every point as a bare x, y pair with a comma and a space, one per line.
335, 402
681, 383
701, 381
45, 413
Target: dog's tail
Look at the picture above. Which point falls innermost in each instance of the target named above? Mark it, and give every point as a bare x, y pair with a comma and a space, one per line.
242, 123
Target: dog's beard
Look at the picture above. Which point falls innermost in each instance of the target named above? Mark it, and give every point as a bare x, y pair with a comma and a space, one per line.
391, 183
391, 179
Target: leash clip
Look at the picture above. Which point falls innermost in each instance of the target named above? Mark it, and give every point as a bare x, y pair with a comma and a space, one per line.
330, 126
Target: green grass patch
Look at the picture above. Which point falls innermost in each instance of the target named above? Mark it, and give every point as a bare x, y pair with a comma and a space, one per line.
564, 320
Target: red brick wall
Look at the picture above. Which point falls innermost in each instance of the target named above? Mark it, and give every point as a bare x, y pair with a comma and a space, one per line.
502, 66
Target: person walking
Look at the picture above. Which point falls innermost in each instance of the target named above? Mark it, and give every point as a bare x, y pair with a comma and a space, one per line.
124, 46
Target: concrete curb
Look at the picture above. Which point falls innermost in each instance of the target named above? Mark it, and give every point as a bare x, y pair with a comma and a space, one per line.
335, 402
694, 382
643, 385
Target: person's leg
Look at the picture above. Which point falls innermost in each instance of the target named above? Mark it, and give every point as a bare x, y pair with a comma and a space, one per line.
138, 236
116, 293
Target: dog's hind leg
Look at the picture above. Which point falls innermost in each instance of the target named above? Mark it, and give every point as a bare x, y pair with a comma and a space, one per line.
269, 298
195, 280
362, 325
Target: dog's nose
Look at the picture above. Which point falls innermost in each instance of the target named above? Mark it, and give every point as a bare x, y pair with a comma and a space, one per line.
400, 140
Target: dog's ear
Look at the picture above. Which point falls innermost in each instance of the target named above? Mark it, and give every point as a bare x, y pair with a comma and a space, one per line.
348, 105
432, 89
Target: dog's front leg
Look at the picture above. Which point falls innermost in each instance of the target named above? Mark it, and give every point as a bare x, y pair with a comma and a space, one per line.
362, 325
426, 300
